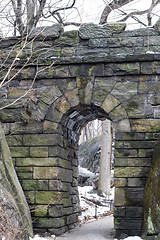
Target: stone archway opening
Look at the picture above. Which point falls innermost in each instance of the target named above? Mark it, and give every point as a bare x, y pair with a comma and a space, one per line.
72, 124
96, 170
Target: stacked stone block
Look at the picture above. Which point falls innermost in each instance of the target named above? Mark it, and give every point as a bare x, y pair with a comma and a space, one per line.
98, 73
133, 155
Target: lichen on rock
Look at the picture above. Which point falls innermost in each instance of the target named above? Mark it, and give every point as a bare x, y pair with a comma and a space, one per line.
13, 205
152, 197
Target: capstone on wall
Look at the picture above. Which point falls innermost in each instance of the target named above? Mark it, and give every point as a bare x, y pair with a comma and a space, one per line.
72, 78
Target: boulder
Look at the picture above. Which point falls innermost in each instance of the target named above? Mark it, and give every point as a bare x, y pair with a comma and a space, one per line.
89, 154
14, 210
151, 224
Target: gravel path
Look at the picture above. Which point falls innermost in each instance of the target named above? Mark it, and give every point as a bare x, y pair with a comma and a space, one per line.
97, 230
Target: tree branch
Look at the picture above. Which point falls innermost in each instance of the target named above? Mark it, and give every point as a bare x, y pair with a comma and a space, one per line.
61, 9
133, 14
39, 13
72, 23
115, 4
30, 4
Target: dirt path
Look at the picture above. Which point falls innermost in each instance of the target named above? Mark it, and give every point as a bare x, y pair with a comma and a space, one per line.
97, 230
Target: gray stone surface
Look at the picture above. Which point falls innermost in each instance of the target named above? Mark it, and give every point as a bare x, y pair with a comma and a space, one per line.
151, 197
47, 32
91, 30
12, 198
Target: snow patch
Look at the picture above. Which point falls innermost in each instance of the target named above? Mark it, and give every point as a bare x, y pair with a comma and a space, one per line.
89, 209
133, 238
85, 172
37, 237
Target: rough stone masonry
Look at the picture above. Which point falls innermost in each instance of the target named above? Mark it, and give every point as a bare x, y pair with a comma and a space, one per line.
68, 79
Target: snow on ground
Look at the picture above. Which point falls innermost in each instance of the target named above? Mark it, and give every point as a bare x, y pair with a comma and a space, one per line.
133, 238
37, 237
85, 172
89, 209
92, 205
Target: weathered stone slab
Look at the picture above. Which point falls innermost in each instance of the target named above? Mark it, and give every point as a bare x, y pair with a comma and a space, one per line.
145, 125
85, 89
119, 212
48, 32
40, 210
132, 162
53, 72
48, 197
136, 182
120, 182
91, 30
120, 198
19, 151
24, 162
121, 69
134, 196
125, 153
30, 127
49, 222
56, 211
48, 94
86, 70
41, 139
138, 107
69, 38
46, 172
133, 212
39, 152
34, 184
131, 172
135, 144
128, 223
130, 136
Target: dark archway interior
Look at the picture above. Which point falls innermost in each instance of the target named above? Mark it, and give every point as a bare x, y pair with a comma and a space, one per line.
77, 118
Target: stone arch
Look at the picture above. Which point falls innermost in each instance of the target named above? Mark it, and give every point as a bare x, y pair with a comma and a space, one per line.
70, 126
66, 117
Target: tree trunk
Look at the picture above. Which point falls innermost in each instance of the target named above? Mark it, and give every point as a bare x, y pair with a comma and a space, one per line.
105, 159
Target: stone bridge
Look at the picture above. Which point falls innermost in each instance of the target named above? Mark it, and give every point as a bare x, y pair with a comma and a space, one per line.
68, 79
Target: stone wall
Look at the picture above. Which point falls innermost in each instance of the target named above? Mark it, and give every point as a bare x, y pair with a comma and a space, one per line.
96, 73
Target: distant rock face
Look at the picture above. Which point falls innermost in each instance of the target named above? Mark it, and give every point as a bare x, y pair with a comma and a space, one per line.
14, 210
89, 154
152, 197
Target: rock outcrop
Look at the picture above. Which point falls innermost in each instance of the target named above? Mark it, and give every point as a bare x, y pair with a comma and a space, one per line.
151, 224
15, 215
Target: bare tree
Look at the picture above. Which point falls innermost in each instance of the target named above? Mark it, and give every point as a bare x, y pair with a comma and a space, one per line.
105, 158
91, 130
134, 14
24, 15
